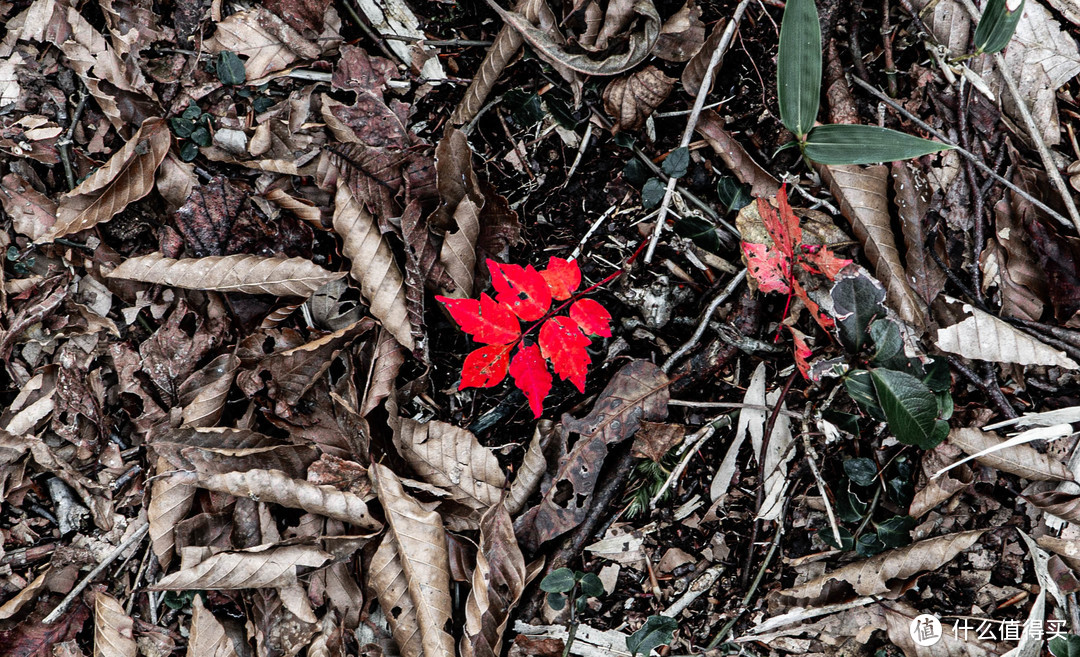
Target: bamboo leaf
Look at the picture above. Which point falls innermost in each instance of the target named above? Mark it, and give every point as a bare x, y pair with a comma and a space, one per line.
997, 25
865, 144
798, 66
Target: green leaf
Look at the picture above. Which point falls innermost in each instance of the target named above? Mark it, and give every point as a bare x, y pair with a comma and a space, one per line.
937, 375
201, 136
188, 151
798, 66
676, 163
733, 194
857, 302
558, 581
701, 231
890, 348
1065, 646
635, 172
862, 471
861, 389
230, 70
181, 127
652, 194
560, 112
624, 140
899, 480
657, 631
262, 103
997, 25
849, 508
192, 112
868, 545
525, 107
896, 531
910, 408
865, 144
847, 541
591, 586
556, 601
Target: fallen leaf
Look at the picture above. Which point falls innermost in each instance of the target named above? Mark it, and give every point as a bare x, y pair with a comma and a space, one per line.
497, 584
654, 439
1063, 505
113, 629
268, 42
682, 35
32, 213
633, 98
694, 72
532, 470
264, 566
738, 161
203, 394
1021, 460
247, 274
913, 198
208, 637
985, 337
385, 364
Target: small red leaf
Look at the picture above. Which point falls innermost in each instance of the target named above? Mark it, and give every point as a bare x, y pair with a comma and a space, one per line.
593, 318
485, 367
783, 227
767, 266
486, 321
823, 320
523, 289
563, 277
562, 343
531, 375
802, 352
821, 260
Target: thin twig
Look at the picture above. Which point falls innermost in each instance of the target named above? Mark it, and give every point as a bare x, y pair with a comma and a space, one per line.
694, 443
592, 229
65, 142
446, 43
963, 152
62, 608
691, 123
704, 323
733, 405
811, 459
580, 153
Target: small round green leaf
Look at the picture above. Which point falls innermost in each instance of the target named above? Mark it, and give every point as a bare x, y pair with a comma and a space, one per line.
657, 631
868, 545
676, 163
862, 471
558, 581
865, 144
188, 151
556, 601
896, 531
652, 194
230, 70
591, 586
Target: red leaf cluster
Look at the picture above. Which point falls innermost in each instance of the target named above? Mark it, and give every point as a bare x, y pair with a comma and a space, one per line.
523, 293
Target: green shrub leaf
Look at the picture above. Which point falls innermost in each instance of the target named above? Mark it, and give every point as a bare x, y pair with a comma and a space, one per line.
864, 144
556, 601
591, 586
862, 471
230, 70
558, 581
997, 25
857, 302
798, 66
911, 409
1065, 646
657, 631
896, 531
847, 541
652, 194
676, 163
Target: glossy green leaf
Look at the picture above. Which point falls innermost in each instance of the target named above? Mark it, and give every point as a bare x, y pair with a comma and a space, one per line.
849, 507
181, 127
676, 163
657, 631
857, 301
635, 172
560, 580
652, 194
230, 70
896, 531
865, 144
862, 471
889, 347
861, 389
1065, 646
868, 545
591, 585
700, 231
910, 408
189, 151
997, 25
798, 66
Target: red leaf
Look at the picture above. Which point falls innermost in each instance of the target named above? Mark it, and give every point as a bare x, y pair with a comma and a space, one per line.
562, 343
563, 277
486, 321
767, 266
485, 367
531, 375
802, 352
824, 321
593, 318
522, 289
821, 260
784, 229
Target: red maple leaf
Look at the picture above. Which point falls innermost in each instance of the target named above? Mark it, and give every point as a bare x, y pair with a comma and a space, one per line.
485, 320
523, 289
562, 277
593, 318
531, 376
485, 367
768, 267
563, 344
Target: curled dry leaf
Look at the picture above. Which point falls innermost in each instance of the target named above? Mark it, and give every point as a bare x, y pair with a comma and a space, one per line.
532, 470
861, 192
939, 489
458, 254
208, 637
637, 392
913, 196
873, 576
126, 177
386, 362
1069, 551
248, 274
114, 634
985, 337
1063, 505
694, 73
373, 265
264, 566
1021, 460
738, 161
418, 537
682, 35
1009, 262
497, 583
452, 458
203, 394
276, 487
32, 213
632, 98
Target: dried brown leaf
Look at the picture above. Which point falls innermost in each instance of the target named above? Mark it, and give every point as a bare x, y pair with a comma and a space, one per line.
372, 173
208, 637
276, 487
682, 35
1020, 460
632, 98
373, 265
872, 576
532, 470
422, 266
985, 337
32, 213
497, 584
235, 273
939, 489
386, 577
263, 566
637, 392
126, 177
386, 362
268, 42
861, 192
170, 502
455, 177
452, 458
1009, 262
1063, 505
458, 254
113, 629
420, 542
656, 438
738, 161
694, 72
203, 394
1069, 551
899, 618
913, 196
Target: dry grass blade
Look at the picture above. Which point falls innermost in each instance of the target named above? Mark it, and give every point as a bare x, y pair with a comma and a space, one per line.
276, 487
985, 337
170, 501
387, 578
208, 638
452, 458
631, 99
385, 365
203, 394
862, 194
248, 274
913, 196
421, 546
1021, 460
532, 470
872, 576
497, 584
261, 567
113, 629
126, 177
373, 265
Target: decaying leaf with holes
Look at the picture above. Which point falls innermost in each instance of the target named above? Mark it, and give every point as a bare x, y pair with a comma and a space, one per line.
631, 99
